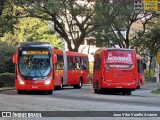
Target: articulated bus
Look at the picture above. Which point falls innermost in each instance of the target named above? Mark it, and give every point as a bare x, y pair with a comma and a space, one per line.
40, 67
140, 71
115, 69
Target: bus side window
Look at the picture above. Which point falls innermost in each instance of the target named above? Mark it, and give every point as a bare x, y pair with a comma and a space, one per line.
84, 64
97, 63
71, 65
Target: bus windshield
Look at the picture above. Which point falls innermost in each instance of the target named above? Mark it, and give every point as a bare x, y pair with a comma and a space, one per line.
119, 59
34, 66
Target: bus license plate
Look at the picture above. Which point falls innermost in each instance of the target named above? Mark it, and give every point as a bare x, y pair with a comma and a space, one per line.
34, 87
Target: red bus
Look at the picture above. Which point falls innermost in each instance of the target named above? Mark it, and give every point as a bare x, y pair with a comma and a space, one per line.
34, 67
140, 71
71, 69
115, 69
38, 68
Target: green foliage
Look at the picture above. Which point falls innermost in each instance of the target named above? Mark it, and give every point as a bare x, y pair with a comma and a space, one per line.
148, 44
6, 52
7, 19
7, 80
112, 19
33, 30
146, 74
156, 91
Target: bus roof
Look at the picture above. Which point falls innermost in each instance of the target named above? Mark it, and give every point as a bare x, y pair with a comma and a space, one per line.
35, 44
117, 49
57, 51
70, 53
105, 49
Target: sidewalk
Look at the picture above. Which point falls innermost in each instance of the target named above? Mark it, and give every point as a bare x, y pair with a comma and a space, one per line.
7, 88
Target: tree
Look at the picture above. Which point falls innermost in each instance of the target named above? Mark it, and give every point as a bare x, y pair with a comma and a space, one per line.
7, 20
72, 19
33, 30
148, 44
114, 19
6, 52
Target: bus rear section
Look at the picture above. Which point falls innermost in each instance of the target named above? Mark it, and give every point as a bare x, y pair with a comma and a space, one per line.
71, 69
34, 68
116, 70
77, 69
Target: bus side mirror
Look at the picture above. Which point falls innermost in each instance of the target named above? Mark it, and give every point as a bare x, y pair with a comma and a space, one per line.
15, 61
54, 59
144, 65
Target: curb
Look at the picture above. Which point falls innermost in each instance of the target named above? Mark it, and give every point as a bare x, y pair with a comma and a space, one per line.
7, 88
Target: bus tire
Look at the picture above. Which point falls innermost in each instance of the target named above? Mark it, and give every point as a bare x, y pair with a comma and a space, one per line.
49, 92
98, 91
138, 87
19, 91
79, 86
61, 86
95, 90
129, 92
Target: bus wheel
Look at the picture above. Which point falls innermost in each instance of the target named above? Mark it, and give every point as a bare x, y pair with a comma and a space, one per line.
61, 86
79, 86
138, 87
95, 90
129, 92
49, 92
19, 91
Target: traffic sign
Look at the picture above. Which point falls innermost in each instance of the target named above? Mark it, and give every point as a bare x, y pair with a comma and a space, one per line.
138, 6
150, 5
158, 57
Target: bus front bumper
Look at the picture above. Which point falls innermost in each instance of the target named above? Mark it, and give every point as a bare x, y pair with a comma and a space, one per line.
34, 87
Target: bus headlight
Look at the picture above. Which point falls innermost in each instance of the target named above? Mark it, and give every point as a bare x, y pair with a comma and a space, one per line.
48, 81
20, 80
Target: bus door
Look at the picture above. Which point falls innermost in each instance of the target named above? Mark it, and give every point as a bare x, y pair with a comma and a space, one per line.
58, 72
119, 66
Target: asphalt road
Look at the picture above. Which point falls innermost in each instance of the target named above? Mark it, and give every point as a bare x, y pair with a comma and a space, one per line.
84, 99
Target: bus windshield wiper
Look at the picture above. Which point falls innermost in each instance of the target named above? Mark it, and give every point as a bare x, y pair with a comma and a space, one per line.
36, 68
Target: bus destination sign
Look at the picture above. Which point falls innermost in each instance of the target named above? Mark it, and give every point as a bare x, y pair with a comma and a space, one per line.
34, 52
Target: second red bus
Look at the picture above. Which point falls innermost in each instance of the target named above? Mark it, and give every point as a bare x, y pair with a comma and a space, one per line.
115, 69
